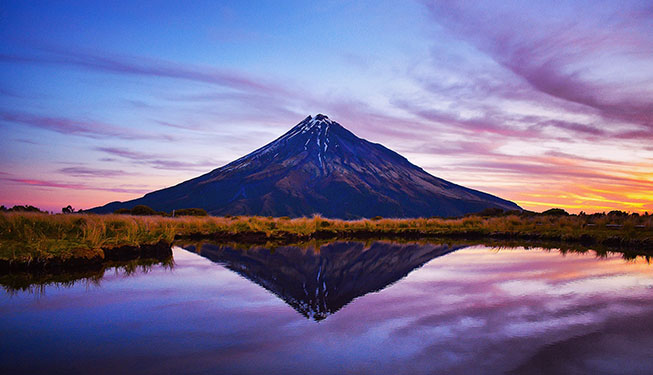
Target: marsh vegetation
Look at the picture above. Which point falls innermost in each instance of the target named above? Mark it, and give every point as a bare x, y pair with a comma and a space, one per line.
28, 237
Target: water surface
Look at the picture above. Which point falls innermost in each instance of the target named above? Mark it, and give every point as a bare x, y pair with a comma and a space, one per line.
346, 308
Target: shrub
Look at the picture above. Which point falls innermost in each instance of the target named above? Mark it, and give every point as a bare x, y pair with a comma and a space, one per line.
142, 210
556, 212
123, 211
24, 208
191, 212
491, 212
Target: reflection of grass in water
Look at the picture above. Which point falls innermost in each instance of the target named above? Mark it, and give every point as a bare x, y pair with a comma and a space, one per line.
35, 282
26, 237
598, 251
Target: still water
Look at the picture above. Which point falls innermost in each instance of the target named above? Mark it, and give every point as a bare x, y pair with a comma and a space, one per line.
347, 308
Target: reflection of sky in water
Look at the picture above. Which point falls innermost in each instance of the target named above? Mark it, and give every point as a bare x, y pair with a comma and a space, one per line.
472, 311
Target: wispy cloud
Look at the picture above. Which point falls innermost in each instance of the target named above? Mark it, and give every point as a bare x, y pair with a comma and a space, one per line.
143, 66
91, 129
156, 161
72, 186
562, 53
92, 172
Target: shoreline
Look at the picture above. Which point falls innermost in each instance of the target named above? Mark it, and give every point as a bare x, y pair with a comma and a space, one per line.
159, 251
38, 241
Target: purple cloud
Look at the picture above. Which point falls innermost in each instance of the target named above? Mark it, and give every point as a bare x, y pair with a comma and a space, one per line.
143, 66
573, 126
92, 172
561, 53
72, 186
91, 129
156, 161
549, 167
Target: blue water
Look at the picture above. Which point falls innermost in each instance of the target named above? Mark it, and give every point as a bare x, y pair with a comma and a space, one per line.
349, 308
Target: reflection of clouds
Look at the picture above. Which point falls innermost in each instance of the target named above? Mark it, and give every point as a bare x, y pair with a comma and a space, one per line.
472, 311
499, 308
590, 285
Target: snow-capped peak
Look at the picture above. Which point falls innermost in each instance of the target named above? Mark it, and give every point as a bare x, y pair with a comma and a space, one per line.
318, 121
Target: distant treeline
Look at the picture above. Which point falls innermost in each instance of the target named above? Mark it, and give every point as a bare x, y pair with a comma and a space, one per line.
140, 210
21, 209
143, 210
497, 212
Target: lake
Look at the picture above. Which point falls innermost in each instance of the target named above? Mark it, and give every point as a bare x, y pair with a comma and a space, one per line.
346, 308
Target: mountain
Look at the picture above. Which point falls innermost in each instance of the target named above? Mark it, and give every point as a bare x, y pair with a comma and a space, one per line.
318, 283
320, 167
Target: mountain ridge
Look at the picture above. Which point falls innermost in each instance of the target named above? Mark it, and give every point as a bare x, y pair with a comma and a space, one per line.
319, 166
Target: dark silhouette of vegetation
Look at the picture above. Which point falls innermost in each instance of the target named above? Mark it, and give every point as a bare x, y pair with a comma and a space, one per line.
498, 212
556, 212
24, 208
68, 210
617, 213
190, 212
142, 210
35, 280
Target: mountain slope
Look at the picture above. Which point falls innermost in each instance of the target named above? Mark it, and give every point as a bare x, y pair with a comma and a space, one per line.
320, 167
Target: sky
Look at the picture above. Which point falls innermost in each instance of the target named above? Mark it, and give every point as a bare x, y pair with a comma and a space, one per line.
547, 104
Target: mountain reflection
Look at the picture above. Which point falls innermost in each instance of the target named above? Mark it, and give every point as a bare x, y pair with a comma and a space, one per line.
319, 282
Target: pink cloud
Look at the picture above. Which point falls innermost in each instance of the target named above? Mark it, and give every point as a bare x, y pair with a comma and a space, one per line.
92, 172
72, 186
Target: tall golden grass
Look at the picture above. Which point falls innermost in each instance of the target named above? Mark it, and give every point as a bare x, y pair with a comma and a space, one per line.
29, 236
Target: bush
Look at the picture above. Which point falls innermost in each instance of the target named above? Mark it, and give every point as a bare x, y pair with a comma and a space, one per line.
490, 212
142, 210
123, 211
191, 212
376, 218
556, 212
24, 208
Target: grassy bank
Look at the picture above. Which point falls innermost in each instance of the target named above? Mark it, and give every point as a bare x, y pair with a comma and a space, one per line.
35, 237
40, 239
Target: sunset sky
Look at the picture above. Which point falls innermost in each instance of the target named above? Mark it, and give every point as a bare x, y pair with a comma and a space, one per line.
548, 106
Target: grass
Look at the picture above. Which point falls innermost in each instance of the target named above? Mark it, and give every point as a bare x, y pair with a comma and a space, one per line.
28, 237
37, 237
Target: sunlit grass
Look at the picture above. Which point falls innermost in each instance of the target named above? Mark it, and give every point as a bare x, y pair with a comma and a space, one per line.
25, 237
34, 236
